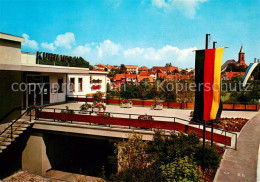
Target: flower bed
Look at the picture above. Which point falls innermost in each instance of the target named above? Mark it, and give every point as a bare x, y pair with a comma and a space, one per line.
157, 106
229, 124
126, 103
145, 117
105, 114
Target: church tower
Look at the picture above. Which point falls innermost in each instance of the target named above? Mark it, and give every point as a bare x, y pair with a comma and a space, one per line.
241, 57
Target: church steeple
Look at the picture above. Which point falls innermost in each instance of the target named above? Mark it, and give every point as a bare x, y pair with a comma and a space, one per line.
241, 57
241, 49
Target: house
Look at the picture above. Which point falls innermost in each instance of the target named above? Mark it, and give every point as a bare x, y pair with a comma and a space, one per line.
133, 69
143, 68
148, 78
165, 68
125, 78
110, 67
230, 75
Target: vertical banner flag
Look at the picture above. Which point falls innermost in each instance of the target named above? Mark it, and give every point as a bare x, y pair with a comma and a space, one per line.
207, 80
249, 71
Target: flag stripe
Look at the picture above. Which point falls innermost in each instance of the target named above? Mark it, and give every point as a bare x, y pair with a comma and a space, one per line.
208, 82
199, 79
216, 83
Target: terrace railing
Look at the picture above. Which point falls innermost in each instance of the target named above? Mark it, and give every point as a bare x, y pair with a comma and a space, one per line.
131, 120
179, 105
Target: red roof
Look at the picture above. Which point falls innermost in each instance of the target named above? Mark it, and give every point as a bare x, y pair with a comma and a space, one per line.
140, 78
143, 68
143, 73
101, 65
130, 66
165, 68
120, 76
110, 67
230, 75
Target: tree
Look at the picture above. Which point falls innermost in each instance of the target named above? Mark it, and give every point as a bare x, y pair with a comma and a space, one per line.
127, 91
122, 68
132, 153
175, 72
182, 169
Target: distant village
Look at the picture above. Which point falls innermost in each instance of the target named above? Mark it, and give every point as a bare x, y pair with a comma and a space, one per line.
122, 74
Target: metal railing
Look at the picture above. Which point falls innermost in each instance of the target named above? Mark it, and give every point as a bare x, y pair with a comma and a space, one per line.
13, 122
169, 119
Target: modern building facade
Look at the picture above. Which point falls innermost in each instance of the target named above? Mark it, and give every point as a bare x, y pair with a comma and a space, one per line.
25, 83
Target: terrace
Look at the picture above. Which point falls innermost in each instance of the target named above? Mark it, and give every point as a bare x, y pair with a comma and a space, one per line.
169, 119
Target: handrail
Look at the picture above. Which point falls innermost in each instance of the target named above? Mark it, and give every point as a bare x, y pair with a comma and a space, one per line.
9, 113
13, 122
169, 117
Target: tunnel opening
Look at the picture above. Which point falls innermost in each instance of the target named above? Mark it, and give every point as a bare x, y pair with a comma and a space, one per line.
81, 155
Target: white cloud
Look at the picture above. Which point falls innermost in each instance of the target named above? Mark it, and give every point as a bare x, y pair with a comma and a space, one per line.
65, 40
108, 48
188, 7
29, 43
81, 50
49, 46
156, 56
160, 3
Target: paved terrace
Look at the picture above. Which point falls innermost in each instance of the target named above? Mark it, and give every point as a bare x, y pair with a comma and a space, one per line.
241, 165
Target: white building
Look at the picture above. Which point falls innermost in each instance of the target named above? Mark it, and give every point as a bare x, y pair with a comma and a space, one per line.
25, 83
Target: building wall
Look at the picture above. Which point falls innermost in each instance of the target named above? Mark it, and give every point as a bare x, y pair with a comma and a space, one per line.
86, 88
56, 97
9, 99
28, 58
10, 52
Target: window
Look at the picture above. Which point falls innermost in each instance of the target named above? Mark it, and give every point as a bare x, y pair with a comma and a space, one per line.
72, 84
60, 83
80, 84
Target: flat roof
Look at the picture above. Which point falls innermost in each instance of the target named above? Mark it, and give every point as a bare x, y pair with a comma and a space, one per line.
10, 37
49, 69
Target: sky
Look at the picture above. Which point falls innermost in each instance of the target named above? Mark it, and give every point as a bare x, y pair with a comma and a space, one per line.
135, 32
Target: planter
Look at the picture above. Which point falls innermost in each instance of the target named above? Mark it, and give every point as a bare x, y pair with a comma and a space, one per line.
126, 105
157, 107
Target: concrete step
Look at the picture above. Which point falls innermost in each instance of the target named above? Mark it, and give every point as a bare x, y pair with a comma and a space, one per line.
6, 135
5, 143
14, 132
2, 147
18, 128
3, 139
23, 122
21, 125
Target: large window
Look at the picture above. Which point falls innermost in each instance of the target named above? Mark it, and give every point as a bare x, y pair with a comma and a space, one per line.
80, 85
60, 83
72, 84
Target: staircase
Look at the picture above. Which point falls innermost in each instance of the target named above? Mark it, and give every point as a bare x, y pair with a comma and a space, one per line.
14, 130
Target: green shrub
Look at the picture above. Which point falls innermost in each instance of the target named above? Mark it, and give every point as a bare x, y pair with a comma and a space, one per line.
182, 169
212, 158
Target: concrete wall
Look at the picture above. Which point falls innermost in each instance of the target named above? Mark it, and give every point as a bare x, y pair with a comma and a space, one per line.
34, 157
10, 52
9, 99
28, 58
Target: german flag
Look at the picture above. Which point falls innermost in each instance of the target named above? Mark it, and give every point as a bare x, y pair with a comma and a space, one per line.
207, 80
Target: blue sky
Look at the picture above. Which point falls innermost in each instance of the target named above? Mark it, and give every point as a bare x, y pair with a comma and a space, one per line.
142, 32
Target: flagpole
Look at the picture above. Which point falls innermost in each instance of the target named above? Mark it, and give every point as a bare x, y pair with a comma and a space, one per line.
212, 121
204, 122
